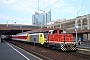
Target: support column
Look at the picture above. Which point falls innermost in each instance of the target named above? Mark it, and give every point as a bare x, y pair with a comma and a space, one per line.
76, 23
53, 26
81, 23
88, 22
7, 23
50, 26
60, 25
63, 25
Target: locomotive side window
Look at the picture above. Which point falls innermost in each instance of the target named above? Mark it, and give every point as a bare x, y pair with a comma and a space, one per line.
55, 31
61, 31
49, 32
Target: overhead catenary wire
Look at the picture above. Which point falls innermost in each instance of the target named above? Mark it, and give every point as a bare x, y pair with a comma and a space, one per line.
45, 8
80, 7
37, 8
51, 4
26, 19
43, 3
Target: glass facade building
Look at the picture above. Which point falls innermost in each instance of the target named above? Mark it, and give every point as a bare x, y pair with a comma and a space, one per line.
41, 18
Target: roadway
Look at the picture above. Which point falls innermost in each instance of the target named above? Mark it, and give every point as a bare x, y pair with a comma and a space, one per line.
11, 52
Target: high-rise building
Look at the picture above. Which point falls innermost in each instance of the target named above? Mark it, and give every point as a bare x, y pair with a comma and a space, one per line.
41, 18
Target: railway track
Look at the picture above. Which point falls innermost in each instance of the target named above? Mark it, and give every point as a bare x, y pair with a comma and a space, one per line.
49, 54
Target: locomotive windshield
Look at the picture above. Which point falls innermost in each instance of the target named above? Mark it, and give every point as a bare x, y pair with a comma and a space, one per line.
55, 31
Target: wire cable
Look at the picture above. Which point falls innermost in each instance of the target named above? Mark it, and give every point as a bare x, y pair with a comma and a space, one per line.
45, 8
37, 8
26, 19
80, 7
43, 3
51, 4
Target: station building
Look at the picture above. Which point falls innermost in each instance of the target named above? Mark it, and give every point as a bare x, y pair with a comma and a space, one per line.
83, 23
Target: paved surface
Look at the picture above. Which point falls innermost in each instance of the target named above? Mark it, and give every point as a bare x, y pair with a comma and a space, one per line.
11, 52
84, 46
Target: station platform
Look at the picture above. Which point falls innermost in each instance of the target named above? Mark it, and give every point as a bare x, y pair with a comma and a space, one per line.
84, 48
11, 52
8, 53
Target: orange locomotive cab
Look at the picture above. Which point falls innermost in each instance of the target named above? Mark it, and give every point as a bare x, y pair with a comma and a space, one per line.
57, 39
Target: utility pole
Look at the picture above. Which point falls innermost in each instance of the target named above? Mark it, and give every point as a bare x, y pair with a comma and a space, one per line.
76, 35
76, 28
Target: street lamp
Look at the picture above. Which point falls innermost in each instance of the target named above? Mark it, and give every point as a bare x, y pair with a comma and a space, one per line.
76, 28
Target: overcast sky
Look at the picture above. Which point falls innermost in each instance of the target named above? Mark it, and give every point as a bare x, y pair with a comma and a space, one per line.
21, 11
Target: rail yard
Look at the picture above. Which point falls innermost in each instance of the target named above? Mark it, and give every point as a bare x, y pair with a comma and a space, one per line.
50, 54
46, 48
52, 30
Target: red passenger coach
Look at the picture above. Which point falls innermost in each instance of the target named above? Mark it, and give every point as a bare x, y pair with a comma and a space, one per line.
20, 37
